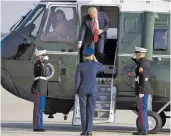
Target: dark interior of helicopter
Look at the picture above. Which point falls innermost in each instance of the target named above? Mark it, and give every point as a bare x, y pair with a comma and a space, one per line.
111, 42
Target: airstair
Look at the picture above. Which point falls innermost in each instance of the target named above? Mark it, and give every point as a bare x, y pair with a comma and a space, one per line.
105, 103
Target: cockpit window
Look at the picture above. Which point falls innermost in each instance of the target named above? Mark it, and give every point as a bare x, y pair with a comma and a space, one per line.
32, 23
60, 25
17, 45
160, 39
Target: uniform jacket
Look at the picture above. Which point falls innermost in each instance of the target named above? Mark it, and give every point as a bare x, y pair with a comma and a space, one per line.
40, 85
86, 30
86, 76
142, 86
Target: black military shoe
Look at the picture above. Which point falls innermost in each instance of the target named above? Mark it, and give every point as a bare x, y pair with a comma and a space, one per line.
140, 133
89, 133
83, 134
39, 130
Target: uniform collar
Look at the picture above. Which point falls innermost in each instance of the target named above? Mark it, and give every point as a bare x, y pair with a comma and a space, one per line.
87, 60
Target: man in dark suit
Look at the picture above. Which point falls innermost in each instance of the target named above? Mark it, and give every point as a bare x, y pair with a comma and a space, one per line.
93, 31
86, 85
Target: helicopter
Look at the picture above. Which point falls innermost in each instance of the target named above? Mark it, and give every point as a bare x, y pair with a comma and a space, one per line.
132, 23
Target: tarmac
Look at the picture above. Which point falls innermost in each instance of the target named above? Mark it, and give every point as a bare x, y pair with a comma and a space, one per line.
16, 120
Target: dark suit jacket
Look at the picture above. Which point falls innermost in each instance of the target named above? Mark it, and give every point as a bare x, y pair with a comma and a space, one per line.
86, 30
86, 76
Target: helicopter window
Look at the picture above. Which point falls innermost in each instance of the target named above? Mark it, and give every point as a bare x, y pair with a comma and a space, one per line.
20, 51
160, 39
17, 46
60, 25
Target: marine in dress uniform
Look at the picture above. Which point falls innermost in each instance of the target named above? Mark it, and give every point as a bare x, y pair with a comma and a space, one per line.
39, 90
86, 86
142, 89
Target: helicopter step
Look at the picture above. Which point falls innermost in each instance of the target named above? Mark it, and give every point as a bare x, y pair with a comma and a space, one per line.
105, 103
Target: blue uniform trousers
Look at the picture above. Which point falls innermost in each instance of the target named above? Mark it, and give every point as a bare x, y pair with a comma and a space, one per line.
87, 107
39, 104
142, 105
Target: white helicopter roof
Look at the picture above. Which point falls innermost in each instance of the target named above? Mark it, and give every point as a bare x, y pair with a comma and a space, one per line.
124, 5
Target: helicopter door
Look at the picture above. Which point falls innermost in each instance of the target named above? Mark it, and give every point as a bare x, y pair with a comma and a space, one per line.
105, 101
129, 36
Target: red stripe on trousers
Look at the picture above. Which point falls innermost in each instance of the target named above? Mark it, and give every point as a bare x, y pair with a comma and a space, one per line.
141, 114
37, 108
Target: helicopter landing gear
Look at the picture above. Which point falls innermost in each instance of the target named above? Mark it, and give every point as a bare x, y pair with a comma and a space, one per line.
162, 114
154, 122
65, 117
163, 118
50, 116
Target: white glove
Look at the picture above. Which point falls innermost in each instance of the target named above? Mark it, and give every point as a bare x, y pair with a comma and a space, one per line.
134, 56
79, 45
141, 95
46, 58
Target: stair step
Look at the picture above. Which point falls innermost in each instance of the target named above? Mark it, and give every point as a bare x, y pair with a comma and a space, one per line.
103, 102
101, 110
103, 94
96, 118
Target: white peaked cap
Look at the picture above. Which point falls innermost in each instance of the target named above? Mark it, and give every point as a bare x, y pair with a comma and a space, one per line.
40, 52
139, 49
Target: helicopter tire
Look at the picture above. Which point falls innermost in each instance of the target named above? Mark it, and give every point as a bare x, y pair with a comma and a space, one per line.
163, 117
153, 116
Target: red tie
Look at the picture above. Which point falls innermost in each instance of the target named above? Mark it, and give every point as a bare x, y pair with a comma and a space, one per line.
96, 38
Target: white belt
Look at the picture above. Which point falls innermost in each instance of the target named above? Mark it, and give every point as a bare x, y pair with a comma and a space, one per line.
44, 78
137, 79
146, 79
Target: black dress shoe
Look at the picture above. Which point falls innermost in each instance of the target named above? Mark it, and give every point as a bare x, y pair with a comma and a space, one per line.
89, 133
140, 133
39, 130
83, 134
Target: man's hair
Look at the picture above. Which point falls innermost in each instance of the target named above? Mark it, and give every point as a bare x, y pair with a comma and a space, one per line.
91, 8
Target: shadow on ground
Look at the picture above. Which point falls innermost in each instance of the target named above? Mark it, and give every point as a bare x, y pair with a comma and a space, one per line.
18, 126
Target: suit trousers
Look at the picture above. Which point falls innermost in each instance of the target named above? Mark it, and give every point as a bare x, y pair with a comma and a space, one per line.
87, 107
99, 49
99, 45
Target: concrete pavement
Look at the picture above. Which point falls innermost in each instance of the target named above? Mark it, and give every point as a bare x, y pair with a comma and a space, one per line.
16, 119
